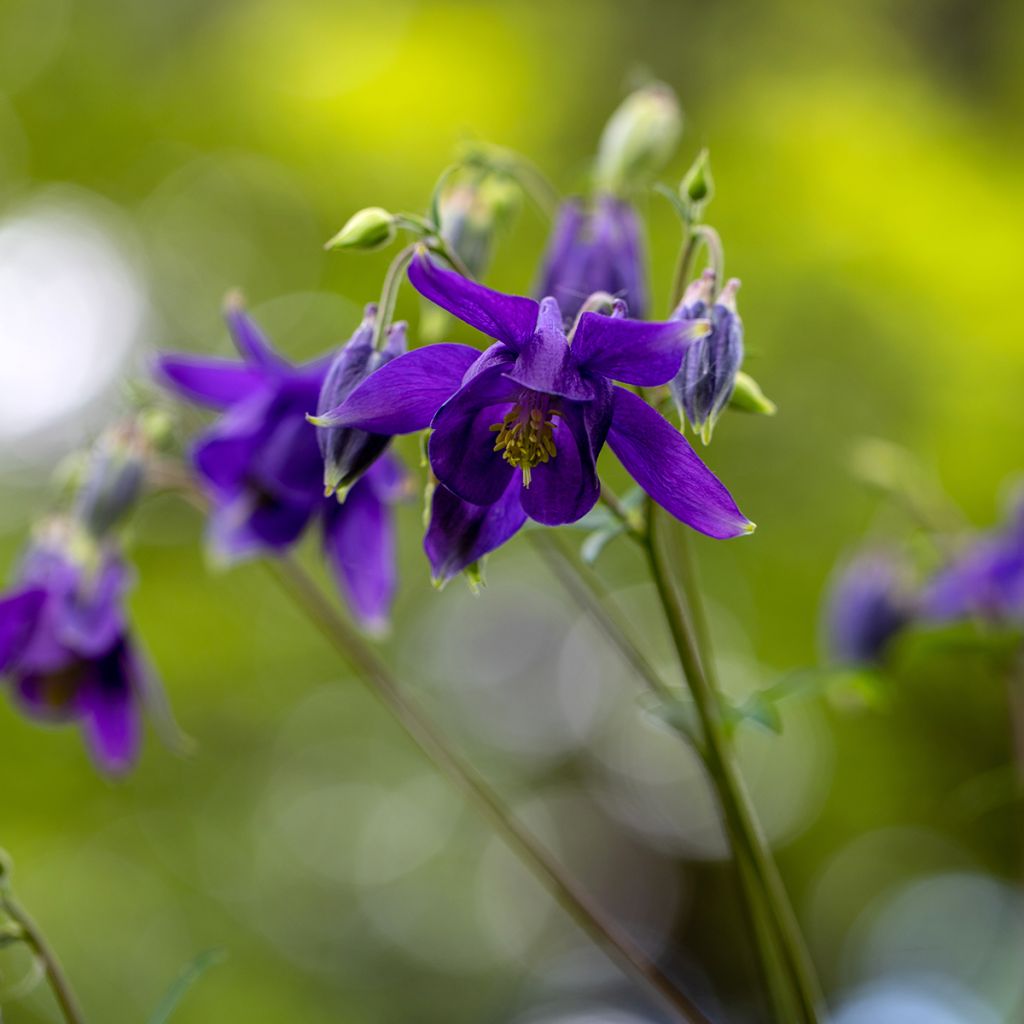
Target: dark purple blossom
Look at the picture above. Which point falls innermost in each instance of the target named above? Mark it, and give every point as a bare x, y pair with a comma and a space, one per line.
705, 381
66, 650
868, 605
261, 467
985, 580
595, 250
517, 429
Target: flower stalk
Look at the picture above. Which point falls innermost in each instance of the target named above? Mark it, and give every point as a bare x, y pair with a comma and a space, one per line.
375, 674
30, 934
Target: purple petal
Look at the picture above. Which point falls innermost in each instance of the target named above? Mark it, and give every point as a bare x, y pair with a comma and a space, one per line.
52, 696
92, 619
224, 454
460, 534
461, 446
359, 540
403, 395
566, 487
546, 362
662, 462
632, 351
251, 524
249, 339
110, 713
214, 382
507, 318
19, 614
389, 479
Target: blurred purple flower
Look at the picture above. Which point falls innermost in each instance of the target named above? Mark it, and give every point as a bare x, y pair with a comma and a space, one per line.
261, 467
520, 426
868, 604
985, 580
705, 381
66, 649
595, 250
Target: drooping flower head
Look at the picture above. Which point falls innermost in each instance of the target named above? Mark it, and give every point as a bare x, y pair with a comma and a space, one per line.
869, 603
260, 463
596, 249
518, 428
706, 379
985, 580
65, 647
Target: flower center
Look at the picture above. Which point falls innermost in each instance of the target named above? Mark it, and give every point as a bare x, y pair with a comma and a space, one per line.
526, 434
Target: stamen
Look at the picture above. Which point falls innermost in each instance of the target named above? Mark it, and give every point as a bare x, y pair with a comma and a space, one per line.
526, 434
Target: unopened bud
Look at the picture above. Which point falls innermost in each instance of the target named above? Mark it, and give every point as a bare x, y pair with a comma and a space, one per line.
368, 229
747, 396
697, 185
113, 478
639, 139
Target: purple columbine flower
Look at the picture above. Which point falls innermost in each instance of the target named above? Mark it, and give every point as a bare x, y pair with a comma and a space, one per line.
868, 605
65, 646
595, 250
705, 381
517, 429
261, 467
985, 580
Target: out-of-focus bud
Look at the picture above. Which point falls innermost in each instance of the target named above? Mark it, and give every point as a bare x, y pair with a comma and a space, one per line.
113, 476
639, 139
707, 377
596, 249
348, 453
697, 185
470, 210
869, 603
369, 229
747, 396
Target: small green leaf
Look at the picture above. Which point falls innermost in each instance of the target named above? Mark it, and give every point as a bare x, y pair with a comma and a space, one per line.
192, 972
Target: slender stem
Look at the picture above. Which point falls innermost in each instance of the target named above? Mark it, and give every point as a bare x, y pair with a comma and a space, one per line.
377, 677
687, 252
438, 244
389, 293
36, 941
741, 820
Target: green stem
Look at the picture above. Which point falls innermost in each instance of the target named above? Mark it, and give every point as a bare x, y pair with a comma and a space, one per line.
389, 294
373, 672
437, 244
736, 805
36, 941
693, 237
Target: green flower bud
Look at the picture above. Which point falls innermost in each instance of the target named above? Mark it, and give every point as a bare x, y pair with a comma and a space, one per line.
639, 139
747, 396
368, 229
697, 185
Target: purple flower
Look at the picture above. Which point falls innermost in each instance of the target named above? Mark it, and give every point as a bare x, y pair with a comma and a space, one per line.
517, 429
705, 381
595, 250
260, 463
67, 652
868, 605
985, 580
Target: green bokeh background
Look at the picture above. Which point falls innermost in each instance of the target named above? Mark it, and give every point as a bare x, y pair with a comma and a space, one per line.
869, 167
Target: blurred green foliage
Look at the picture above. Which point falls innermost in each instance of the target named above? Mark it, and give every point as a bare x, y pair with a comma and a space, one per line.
868, 169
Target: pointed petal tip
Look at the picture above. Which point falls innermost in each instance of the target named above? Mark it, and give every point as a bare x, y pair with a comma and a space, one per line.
748, 528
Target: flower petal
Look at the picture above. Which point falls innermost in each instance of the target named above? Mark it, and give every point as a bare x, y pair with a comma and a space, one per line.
461, 446
403, 395
566, 487
214, 382
110, 712
359, 540
251, 524
19, 614
92, 619
662, 462
507, 318
631, 351
460, 534
249, 339
546, 362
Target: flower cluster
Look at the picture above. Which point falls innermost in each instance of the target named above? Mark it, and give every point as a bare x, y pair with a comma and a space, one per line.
875, 597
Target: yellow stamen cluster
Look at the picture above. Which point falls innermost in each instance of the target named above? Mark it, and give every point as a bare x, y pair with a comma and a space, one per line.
526, 437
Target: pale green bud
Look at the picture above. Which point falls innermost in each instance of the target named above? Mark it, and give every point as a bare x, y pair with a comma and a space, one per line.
639, 139
368, 229
747, 396
697, 185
